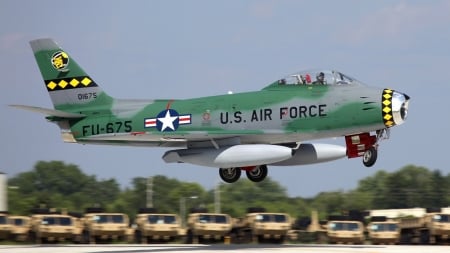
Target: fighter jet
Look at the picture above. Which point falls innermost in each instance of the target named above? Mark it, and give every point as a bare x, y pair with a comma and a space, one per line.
234, 132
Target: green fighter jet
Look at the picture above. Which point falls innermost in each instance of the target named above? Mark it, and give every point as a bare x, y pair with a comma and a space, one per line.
233, 132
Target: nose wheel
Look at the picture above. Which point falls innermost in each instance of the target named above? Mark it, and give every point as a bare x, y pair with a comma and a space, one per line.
370, 157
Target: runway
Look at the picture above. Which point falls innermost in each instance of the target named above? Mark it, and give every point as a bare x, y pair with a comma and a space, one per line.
173, 248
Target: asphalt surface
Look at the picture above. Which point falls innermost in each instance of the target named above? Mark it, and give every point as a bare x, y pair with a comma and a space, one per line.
316, 248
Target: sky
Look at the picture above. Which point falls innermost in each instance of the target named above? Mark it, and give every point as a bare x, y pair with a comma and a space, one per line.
186, 49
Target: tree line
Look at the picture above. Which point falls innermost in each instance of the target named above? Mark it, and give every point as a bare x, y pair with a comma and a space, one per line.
64, 186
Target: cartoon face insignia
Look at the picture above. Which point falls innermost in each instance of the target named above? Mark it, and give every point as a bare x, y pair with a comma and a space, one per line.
167, 120
60, 60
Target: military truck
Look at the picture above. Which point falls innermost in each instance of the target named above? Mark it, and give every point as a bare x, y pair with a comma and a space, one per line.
437, 226
4, 226
203, 226
20, 228
99, 225
154, 226
411, 223
343, 229
383, 231
260, 226
51, 226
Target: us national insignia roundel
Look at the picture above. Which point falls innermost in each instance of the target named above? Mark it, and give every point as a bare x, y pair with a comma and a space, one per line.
167, 120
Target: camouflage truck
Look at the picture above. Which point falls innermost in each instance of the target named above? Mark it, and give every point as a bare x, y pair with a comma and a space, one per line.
410, 221
154, 226
102, 226
437, 226
207, 226
5, 227
54, 227
20, 228
343, 229
261, 226
420, 225
383, 231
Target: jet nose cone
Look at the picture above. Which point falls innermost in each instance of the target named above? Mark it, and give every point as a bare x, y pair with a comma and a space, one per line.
400, 104
394, 107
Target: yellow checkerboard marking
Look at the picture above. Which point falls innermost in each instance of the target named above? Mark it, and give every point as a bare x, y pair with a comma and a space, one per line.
387, 108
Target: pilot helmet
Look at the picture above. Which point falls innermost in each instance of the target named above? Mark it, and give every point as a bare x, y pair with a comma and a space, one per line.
320, 76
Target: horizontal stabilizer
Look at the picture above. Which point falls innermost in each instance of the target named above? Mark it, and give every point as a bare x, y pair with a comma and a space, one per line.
50, 112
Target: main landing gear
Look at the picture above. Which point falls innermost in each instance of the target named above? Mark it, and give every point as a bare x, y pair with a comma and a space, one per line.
230, 175
365, 145
254, 173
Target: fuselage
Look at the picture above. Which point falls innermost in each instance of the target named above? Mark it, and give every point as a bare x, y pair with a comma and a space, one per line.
277, 114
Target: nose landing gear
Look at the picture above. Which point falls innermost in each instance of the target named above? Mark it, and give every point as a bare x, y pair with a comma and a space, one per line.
370, 157
365, 145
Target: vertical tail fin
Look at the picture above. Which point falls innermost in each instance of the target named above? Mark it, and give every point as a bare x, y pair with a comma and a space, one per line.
69, 87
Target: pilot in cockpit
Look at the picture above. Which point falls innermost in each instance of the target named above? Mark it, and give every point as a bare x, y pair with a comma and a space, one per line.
320, 79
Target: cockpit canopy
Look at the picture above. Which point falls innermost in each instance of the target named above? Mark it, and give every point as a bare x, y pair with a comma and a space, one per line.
318, 77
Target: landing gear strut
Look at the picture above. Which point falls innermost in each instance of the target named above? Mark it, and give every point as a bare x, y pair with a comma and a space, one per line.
365, 145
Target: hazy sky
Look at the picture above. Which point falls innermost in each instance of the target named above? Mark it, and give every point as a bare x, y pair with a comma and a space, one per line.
185, 49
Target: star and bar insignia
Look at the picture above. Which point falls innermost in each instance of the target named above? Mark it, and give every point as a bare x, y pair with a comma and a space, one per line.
167, 120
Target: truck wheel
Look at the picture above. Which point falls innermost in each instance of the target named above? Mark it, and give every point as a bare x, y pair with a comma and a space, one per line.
255, 238
196, 239
85, 237
322, 238
92, 239
138, 236
425, 237
281, 239
32, 236
189, 237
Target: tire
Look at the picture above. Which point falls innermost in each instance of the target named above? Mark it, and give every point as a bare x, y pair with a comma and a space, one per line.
370, 157
85, 237
138, 236
258, 174
189, 237
32, 236
230, 175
